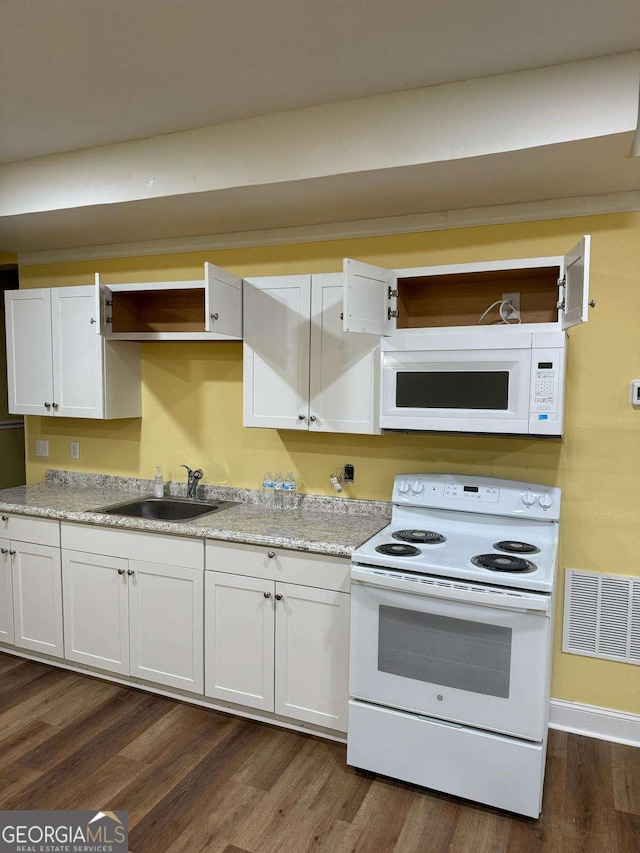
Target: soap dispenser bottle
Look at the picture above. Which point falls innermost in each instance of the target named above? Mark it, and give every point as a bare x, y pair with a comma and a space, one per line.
158, 484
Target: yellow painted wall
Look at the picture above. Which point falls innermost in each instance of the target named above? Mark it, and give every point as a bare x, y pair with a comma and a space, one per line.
193, 405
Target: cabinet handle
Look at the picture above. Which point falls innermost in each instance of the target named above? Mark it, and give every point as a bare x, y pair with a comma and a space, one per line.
267, 594
271, 554
592, 303
47, 406
5, 518
130, 572
214, 316
120, 571
92, 321
6, 551
279, 596
55, 406
313, 418
12, 553
300, 417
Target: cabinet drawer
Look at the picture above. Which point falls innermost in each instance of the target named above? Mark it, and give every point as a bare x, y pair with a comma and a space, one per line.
134, 545
279, 564
22, 528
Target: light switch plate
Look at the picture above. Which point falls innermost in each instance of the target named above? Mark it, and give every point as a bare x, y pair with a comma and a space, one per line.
42, 447
634, 392
75, 450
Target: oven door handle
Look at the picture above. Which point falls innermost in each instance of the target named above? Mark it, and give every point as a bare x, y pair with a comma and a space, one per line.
432, 588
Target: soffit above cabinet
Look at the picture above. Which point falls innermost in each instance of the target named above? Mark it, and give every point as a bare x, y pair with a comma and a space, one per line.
445, 148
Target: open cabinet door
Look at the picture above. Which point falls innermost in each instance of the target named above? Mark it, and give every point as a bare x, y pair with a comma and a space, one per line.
575, 299
102, 308
369, 298
223, 301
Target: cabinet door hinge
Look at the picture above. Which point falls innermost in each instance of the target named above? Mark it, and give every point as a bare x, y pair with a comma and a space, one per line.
392, 293
561, 283
108, 319
108, 303
391, 313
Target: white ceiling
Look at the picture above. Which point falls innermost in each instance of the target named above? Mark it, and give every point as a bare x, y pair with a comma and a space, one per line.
81, 73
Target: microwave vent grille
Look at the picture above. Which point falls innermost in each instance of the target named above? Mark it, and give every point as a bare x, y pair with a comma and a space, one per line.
602, 616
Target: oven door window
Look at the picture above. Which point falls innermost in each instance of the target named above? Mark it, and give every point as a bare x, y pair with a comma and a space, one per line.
441, 650
453, 389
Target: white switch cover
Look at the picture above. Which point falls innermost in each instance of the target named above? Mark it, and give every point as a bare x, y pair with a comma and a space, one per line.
42, 447
634, 392
75, 450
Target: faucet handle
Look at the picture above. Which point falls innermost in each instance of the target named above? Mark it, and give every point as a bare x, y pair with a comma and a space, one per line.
198, 475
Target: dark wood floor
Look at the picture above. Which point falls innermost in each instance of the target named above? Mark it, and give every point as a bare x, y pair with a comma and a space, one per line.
196, 780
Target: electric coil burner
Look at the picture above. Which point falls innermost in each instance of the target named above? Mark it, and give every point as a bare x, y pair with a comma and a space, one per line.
420, 537
396, 549
503, 563
516, 547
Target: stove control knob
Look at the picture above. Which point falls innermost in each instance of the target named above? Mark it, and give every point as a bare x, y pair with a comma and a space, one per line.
403, 488
418, 487
546, 500
528, 499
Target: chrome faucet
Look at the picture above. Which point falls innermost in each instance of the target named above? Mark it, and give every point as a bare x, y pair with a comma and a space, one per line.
192, 481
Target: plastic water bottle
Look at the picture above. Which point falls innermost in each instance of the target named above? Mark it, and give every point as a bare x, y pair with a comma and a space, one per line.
268, 492
290, 491
279, 491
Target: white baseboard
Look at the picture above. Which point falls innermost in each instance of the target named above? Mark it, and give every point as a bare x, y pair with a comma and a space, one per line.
591, 721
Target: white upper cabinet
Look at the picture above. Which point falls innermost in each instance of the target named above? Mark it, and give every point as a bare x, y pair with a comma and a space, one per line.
551, 290
574, 301
301, 370
369, 298
276, 352
29, 352
208, 309
58, 367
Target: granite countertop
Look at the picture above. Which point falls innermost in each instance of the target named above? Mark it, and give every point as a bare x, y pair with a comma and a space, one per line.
322, 525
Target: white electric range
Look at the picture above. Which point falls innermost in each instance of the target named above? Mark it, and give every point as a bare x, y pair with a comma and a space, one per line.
451, 627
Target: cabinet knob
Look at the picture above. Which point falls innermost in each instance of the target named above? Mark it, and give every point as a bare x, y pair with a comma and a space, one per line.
130, 572
55, 406
592, 303
279, 596
6, 551
267, 594
12, 553
120, 571
271, 554
300, 417
313, 418
5, 518
92, 321
214, 316
47, 406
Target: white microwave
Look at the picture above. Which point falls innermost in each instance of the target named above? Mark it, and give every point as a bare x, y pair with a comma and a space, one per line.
505, 381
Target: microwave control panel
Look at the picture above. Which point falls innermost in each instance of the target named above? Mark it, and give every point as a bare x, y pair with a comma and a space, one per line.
546, 396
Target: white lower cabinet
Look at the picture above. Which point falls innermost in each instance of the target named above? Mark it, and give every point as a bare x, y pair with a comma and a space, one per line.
37, 597
239, 639
6, 594
96, 610
135, 618
166, 606
312, 655
278, 647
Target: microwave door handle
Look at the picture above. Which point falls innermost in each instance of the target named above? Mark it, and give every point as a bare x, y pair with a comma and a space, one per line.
459, 593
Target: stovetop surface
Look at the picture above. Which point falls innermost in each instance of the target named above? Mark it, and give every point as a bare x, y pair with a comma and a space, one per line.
469, 534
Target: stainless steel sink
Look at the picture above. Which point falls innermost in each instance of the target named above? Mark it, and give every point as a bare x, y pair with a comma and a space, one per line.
165, 509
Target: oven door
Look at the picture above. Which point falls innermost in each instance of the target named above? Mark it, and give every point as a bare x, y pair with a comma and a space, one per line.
471, 655
465, 390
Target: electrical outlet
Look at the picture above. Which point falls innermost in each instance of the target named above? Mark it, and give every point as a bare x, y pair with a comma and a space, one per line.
75, 450
514, 299
349, 473
42, 447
